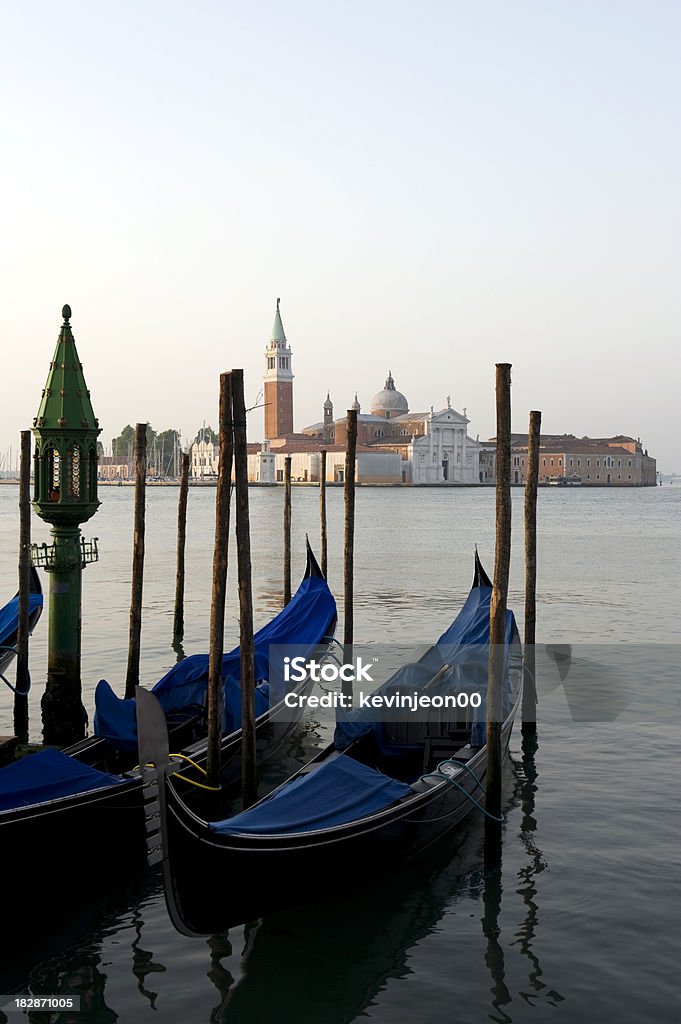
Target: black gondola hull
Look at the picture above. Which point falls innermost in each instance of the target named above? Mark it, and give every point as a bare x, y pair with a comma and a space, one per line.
260, 874
88, 833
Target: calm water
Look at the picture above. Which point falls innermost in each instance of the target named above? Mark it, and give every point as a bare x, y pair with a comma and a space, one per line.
580, 924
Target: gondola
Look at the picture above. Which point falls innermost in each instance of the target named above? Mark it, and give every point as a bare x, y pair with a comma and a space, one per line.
9, 620
381, 792
81, 806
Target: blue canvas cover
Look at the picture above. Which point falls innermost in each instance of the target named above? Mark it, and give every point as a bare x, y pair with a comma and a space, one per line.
339, 791
47, 775
464, 645
305, 620
9, 615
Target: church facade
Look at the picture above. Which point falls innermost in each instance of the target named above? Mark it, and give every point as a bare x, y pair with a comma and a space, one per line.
434, 446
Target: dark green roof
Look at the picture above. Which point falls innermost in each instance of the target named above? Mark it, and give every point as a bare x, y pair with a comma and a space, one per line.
65, 404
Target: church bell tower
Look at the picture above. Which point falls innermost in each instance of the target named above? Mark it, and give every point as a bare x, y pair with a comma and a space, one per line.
278, 382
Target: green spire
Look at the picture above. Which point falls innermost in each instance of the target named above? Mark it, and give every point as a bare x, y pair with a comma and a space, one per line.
65, 403
278, 327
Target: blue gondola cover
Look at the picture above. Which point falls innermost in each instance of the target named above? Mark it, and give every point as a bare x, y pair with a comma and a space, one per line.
47, 775
9, 615
339, 791
304, 621
464, 645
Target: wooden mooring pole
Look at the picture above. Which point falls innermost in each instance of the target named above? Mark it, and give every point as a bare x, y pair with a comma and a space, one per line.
349, 545
133, 674
322, 509
287, 529
502, 561
249, 782
23, 679
219, 591
178, 618
529, 707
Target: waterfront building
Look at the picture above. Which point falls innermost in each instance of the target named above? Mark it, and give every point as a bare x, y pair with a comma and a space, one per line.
114, 467
618, 461
205, 456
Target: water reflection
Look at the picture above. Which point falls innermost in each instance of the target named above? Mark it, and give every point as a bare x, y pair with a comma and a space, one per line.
526, 777
178, 648
494, 950
75, 973
143, 963
328, 959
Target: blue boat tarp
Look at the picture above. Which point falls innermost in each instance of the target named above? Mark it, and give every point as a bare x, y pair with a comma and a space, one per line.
465, 646
339, 791
302, 624
47, 775
9, 615
116, 719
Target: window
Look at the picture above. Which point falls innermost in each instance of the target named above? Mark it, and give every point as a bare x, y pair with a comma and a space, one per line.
579, 462
560, 462
551, 461
588, 462
570, 461
280, 476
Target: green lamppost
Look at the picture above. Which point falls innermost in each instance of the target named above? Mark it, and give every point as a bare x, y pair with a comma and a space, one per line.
65, 495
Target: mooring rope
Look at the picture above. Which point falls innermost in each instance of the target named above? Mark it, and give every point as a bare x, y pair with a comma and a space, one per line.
438, 774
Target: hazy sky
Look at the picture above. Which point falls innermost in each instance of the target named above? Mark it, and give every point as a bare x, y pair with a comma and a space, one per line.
430, 187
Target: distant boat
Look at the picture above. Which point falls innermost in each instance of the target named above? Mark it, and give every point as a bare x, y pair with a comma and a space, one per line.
9, 620
566, 481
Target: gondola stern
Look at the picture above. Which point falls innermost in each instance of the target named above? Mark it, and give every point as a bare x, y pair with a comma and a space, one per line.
154, 757
480, 577
312, 568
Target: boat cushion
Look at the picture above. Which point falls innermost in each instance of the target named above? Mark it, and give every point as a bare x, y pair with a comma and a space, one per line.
47, 775
339, 791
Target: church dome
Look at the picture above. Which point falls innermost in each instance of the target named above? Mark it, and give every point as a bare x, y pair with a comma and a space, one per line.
389, 402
